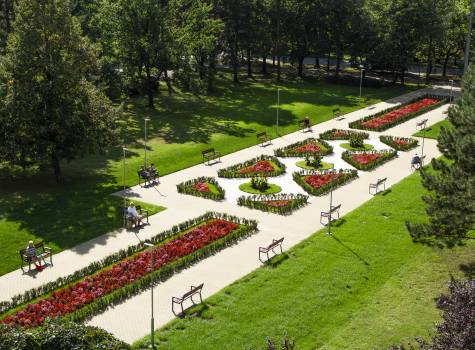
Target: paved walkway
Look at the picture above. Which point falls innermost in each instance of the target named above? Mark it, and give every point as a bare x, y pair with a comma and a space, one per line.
234, 262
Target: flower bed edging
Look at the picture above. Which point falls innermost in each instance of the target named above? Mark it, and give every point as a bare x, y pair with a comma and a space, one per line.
344, 176
261, 202
357, 124
188, 187
399, 143
290, 150
245, 228
233, 171
384, 156
340, 134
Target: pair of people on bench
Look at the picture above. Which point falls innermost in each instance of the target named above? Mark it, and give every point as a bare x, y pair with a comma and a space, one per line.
150, 174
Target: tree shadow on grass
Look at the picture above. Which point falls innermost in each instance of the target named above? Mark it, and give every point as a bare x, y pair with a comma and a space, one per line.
468, 269
350, 250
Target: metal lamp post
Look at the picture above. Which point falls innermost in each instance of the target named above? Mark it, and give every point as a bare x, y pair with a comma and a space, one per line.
124, 149
152, 321
423, 141
145, 147
278, 107
361, 78
451, 89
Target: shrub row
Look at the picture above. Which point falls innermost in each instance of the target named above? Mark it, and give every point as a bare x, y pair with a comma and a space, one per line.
386, 155
340, 134
409, 143
289, 151
259, 202
247, 227
357, 124
346, 175
233, 171
187, 188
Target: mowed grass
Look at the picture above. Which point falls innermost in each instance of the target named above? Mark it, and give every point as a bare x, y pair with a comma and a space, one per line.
33, 206
432, 132
367, 286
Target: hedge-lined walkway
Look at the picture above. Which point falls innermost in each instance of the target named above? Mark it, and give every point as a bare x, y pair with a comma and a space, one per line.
229, 265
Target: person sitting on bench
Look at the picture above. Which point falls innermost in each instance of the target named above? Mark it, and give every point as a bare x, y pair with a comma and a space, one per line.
306, 122
143, 173
416, 162
152, 172
133, 214
31, 254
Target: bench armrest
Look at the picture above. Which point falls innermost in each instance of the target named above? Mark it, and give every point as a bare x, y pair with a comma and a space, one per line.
263, 249
176, 300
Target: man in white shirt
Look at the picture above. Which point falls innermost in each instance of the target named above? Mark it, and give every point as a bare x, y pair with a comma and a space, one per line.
134, 215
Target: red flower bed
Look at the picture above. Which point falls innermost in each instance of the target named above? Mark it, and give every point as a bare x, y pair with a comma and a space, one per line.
279, 203
398, 113
74, 297
318, 180
260, 166
201, 187
401, 142
366, 158
309, 147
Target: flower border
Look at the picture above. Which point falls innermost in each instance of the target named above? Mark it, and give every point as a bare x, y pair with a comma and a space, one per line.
187, 188
348, 175
287, 150
387, 156
258, 202
233, 170
328, 135
357, 124
247, 227
389, 140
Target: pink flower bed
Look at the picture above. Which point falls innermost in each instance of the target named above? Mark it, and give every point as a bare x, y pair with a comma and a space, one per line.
260, 166
366, 158
74, 297
318, 180
309, 147
201, 187
398, 113
278, 203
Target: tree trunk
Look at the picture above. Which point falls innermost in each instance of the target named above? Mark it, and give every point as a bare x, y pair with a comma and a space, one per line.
235, 61
273, 61
337, 68
446, 62
401, 76
249, 63
201, 67
317, 62
278, 68
429, 62
328, 61
264, 64
300, 69
168, 82
56, 167
395, 76
211, 73
149, 87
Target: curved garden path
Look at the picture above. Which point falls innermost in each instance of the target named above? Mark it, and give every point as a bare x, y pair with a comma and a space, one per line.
130, 320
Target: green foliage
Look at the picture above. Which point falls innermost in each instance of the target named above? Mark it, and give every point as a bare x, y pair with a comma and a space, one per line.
50, 110
289, 202
450, 204
356, 141
313, 160
259, 183
339, 134
59, 335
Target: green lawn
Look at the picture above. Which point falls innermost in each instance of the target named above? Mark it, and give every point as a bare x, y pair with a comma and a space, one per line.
432, 132
367, 286
32, 206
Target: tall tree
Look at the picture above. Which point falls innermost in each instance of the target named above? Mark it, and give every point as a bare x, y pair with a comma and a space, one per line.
451, 202
6, 18
49, 110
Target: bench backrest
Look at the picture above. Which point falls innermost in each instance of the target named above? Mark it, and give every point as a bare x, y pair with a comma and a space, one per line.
381, 181
335, 208
208, 151
261, 134
193, 291
275, 243
422, 122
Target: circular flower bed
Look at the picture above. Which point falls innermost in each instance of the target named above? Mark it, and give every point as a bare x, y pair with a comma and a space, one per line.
324, 165
271, 188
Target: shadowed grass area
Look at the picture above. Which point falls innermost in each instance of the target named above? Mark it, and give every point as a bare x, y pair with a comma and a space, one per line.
432, 132
367, 286
33, 206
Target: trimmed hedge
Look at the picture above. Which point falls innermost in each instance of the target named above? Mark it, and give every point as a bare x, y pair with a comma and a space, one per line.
389, 140
258, 202
347, 176
330, 134
233, 171
187, 188
357, 124
386, 156
288, 151
247, 227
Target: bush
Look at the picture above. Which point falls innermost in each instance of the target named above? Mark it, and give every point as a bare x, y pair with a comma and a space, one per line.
399, 143
344, 177
292, 150
283, 203
233, 171
187, 187
340, 134
385, 156
58, 335
356, 141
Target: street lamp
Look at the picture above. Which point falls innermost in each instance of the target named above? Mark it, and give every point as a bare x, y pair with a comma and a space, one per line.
451, 89
361, 78
145, 148
152, 322
124, 149
278, 107
423, 141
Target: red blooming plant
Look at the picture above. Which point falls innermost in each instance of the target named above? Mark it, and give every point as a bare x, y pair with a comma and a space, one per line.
261, 166
277, 203
206, 187
201, 187
368, 160
399, 143
386, 119
67, 300
340, 134
281, 203
302, 148
321, 182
